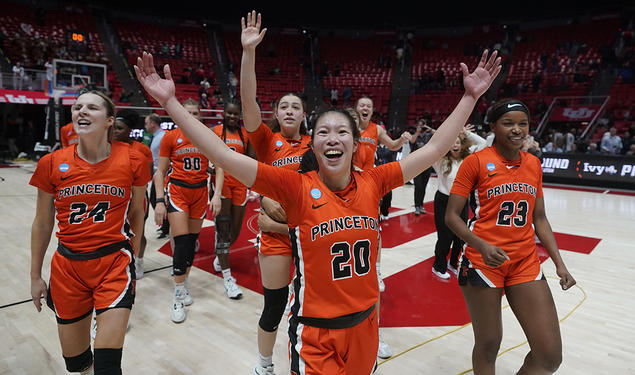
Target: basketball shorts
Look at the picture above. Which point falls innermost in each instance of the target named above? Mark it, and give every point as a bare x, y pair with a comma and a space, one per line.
314, 350
76, 286
512, 272
194, 201
273, 244
235, 191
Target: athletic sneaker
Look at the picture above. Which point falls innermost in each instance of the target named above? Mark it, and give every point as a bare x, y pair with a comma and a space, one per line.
417, 210
382, 286
423, 210
232, 289
216, 264
138, 266
384, 350
187, 298
440, 275
178, 312
260, 370
453, 269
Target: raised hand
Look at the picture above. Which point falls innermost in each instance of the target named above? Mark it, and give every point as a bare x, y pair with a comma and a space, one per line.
251, 34
161, 89
477, 82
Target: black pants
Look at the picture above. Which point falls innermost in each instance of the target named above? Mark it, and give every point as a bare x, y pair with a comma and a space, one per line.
165, 228
445, 237
421, 182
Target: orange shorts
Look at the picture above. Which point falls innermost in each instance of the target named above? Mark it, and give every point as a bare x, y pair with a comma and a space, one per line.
76, 286
273, 244
341, 351
183, 199
512, 272
235, 191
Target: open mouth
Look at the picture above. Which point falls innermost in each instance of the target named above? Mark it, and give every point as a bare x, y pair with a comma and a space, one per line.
83, 122
333, 154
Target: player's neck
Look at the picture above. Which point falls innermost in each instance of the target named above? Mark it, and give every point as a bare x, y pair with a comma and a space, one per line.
363, 125
93, 151
335, 181
508, 154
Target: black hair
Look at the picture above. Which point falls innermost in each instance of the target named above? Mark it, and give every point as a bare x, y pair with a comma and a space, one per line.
504, 106
128, 117
240, 133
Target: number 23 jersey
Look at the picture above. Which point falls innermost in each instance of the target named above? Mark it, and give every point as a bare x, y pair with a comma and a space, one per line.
506, 192
333, 236
91, 200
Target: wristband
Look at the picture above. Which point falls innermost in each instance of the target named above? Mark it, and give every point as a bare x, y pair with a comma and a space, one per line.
160, 200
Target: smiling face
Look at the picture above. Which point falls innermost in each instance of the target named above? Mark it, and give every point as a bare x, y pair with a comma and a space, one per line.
290, 114
231, 116
365, 109
91, 115
333, 144
511, 129
121, 131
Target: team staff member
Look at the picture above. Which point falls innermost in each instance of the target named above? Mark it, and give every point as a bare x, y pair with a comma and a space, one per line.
68, 135
125, 121
181, 182
152, 124
281, 147
230, 196
333, 328
500, 253
95, 186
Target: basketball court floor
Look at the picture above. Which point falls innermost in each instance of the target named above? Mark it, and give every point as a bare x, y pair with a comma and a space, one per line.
423, 318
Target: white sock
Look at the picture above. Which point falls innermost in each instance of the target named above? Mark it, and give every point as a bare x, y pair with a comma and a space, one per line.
226, 273
89, 371
179, 290
265, 361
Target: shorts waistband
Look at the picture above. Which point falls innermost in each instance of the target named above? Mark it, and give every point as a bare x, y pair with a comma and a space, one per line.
344, 321
184, 184
100, 252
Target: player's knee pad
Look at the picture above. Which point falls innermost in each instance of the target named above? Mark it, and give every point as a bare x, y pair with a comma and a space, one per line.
191, 248
223, 234
275, 303
179, 254
80, 362
108, 361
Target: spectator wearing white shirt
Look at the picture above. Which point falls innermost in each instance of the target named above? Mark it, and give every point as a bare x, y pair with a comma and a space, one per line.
611, 142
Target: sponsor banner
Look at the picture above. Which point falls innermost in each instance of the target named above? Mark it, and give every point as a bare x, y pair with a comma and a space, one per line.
592, 170
30, 97
574, 113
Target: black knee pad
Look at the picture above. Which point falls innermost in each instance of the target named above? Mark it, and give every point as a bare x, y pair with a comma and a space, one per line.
108, 361
80, 362
275, 303
191, 248
180, 254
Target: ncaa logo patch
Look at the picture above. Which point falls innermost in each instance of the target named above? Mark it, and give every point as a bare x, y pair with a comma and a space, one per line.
490, 166
64, 167
278, 143
179, 140
316, 193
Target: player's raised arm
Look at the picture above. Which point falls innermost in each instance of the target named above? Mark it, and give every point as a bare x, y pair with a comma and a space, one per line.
250, 37
163, 90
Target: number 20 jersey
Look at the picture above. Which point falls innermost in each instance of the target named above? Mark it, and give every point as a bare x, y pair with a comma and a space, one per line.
91, 200
505, 193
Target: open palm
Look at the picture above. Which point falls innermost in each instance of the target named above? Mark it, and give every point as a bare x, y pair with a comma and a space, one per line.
161, 89
251, 35
477, 82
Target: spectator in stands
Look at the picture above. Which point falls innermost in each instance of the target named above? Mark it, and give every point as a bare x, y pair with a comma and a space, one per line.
593, 149
18, 76
204, 102
627, 141
569, 138
631, 151
333, 96
611, 142
347, 95
419, 138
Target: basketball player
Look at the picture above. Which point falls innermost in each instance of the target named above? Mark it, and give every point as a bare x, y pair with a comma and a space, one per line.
181, 188
283, 148
233, 195
97, 188
125, 121
333, 325
68, 135
500, 252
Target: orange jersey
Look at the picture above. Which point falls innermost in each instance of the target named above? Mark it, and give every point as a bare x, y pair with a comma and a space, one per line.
333, 235
187, 164
91, 200
143, 150
506, 193
364, 156
68, 135
274, 149
236, 143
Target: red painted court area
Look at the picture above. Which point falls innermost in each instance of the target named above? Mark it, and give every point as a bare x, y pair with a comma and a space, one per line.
414, 297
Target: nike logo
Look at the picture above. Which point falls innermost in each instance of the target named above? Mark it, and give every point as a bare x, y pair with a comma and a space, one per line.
318, 206
64, 178
510, 166
514, 105
492, 174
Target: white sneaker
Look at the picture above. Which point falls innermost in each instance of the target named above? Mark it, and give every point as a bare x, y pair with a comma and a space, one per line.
232, 290
438, 274
187, 298
382, 286
93, 327
178, 312
216, 264
384, 350
260, 370
138, 266
453, 269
